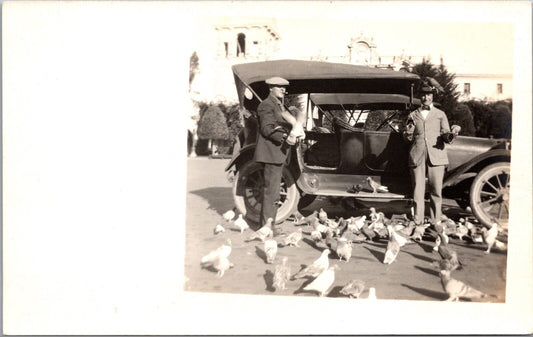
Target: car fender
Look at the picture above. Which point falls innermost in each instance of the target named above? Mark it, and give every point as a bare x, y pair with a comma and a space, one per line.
464, 171
246, 153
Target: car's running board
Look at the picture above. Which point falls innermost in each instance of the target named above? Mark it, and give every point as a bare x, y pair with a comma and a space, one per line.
361, 194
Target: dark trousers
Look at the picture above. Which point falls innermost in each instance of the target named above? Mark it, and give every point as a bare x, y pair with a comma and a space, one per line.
272, 175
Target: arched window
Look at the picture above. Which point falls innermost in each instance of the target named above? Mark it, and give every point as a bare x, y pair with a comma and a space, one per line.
241, 44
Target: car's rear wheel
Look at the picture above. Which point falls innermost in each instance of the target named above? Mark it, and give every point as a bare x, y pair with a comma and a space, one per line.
489, 194
248, 192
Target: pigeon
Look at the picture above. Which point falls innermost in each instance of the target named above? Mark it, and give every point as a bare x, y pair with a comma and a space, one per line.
446, 253
323, 281
353, 289
376, 187
489, 236
221, 264
330, 241
320, 227
271, 249
401, 238
408, 230
419, 231
218, 229
282, 274
293, 238
344, 249
310, 218
357, 223
372, 294
457, 289
229, 215
461, 231
355, 189
263, 232
393, 247
320, 264
316, 236
373, 215
342, 225
369, 233
241, 224
500, 245
322, 216
332, 224
222, 251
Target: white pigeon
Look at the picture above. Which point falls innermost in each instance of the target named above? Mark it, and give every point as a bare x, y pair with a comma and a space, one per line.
323, 281
372, 294
400, 237
357, 223
282, 274
353, 289
332, 224
321, 228
271, 249
375, 186
344, 249
419, 231
489, 236
322, 216
318, 266
221, 264
241, 224
373, 215
461, 231
222, 251
293, 239
229, 215
218, 229
457, 289
316, 236
263, 232
393, 247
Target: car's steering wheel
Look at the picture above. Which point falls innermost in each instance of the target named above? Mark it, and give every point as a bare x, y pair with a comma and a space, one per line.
388, 122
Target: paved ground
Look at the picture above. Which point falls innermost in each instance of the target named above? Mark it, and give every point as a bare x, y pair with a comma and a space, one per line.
413, 276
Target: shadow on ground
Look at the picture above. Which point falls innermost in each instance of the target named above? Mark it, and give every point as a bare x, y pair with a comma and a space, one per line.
220, 199
426, 292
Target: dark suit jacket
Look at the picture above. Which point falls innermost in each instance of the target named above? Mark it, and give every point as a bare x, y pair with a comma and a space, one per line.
273, 130
427, 137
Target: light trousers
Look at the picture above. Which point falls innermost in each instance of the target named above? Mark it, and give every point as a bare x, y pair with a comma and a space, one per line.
435, 176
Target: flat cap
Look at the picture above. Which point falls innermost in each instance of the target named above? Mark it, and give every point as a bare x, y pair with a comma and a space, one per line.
276, 81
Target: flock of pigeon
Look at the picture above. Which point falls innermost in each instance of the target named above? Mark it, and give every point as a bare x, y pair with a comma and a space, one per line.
338, 237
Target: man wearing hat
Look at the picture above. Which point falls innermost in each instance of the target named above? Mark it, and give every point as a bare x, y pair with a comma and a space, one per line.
272, 147
428, 130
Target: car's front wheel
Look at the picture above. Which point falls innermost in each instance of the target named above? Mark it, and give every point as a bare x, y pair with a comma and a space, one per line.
248, 192
489, 194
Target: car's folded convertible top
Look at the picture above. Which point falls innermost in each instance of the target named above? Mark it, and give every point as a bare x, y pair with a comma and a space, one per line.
318, 77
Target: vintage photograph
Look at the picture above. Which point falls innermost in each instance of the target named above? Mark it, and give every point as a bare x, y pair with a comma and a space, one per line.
346, 170
350, 159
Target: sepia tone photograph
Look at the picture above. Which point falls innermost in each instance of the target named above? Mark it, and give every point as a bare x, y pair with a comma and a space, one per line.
346, 170
357, 210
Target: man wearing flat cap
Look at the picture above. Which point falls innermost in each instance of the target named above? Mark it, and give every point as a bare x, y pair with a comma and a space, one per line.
428, 131
272, 148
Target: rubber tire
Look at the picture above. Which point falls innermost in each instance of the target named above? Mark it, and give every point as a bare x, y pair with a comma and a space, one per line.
488, 171
288, 207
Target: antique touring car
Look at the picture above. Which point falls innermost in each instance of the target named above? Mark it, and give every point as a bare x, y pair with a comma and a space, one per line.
355, 119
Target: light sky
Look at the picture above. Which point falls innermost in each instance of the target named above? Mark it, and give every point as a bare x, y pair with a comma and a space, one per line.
465, 47
472, 37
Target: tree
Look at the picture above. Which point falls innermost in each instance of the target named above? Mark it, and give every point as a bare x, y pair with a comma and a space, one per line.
194, 65
212, 125
447, 99
462, 116
501, 121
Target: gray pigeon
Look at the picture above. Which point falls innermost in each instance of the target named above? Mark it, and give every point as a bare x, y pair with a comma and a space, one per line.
353, 289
